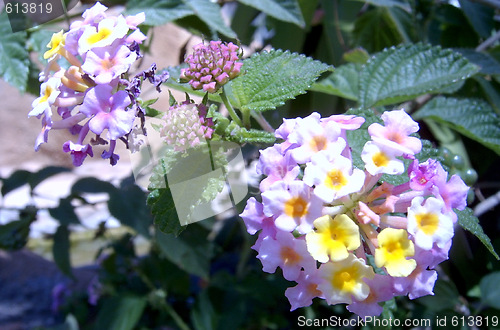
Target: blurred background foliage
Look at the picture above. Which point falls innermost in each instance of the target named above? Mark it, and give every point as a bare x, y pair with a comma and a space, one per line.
208, 277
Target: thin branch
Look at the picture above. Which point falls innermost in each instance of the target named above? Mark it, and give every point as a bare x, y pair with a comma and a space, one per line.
486, 205
488, 42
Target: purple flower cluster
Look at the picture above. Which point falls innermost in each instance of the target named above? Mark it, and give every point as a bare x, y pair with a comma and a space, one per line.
212, 66
90, 95
338, 230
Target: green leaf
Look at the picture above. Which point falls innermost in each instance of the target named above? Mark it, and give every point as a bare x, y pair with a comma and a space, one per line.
283, 10
120, 312
375, 30
487, 64
45, 173
468, 221
60, 250
342, 82
128, 205
17, 179
490, 290
403, 73
92, 185
64, 212
210, 13
480, 17
254, 136
389, 3
271, 78
14, 235
164, 212
14, 58
159, 12
191, 251
445, 296
357, 56
473, 118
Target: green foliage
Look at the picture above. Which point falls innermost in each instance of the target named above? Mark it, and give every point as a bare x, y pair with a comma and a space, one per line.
61, 250
468, 221
14, 235
120, 313
209, 13
490, 290
473, 118
190, 251
402, 73
344, 82
271, 78
284, 10
159, 12
14, 57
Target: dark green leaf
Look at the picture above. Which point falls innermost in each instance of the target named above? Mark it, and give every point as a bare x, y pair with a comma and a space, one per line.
210, 13
389, 3
128, 205
159, 12
271, 78
490, 290
488, 65
64, 212
342, 82
14, 58
400, 74
480, 17
120, 313
93, 186
45, 173
445, 296
190, 251
375, 30
284, 10
164, 212
468, 221
14, 235
473, 118
60, 250
17, 179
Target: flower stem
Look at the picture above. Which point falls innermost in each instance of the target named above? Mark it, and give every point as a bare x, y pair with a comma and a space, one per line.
230, 109
262, 122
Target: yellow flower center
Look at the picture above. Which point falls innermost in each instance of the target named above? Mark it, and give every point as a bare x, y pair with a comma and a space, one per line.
102, 34
427, 222
335, 179
46, 94
318, 143
333, 238
380, 159
346, 279
289, 256
394, 247
296, 207
56, 42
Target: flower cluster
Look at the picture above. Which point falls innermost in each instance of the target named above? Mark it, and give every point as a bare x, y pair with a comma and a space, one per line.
88, 91
212, 66
186, 125
340, 231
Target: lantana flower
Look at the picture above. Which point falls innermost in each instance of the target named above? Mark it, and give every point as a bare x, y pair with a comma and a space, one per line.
333, 199
92, 92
